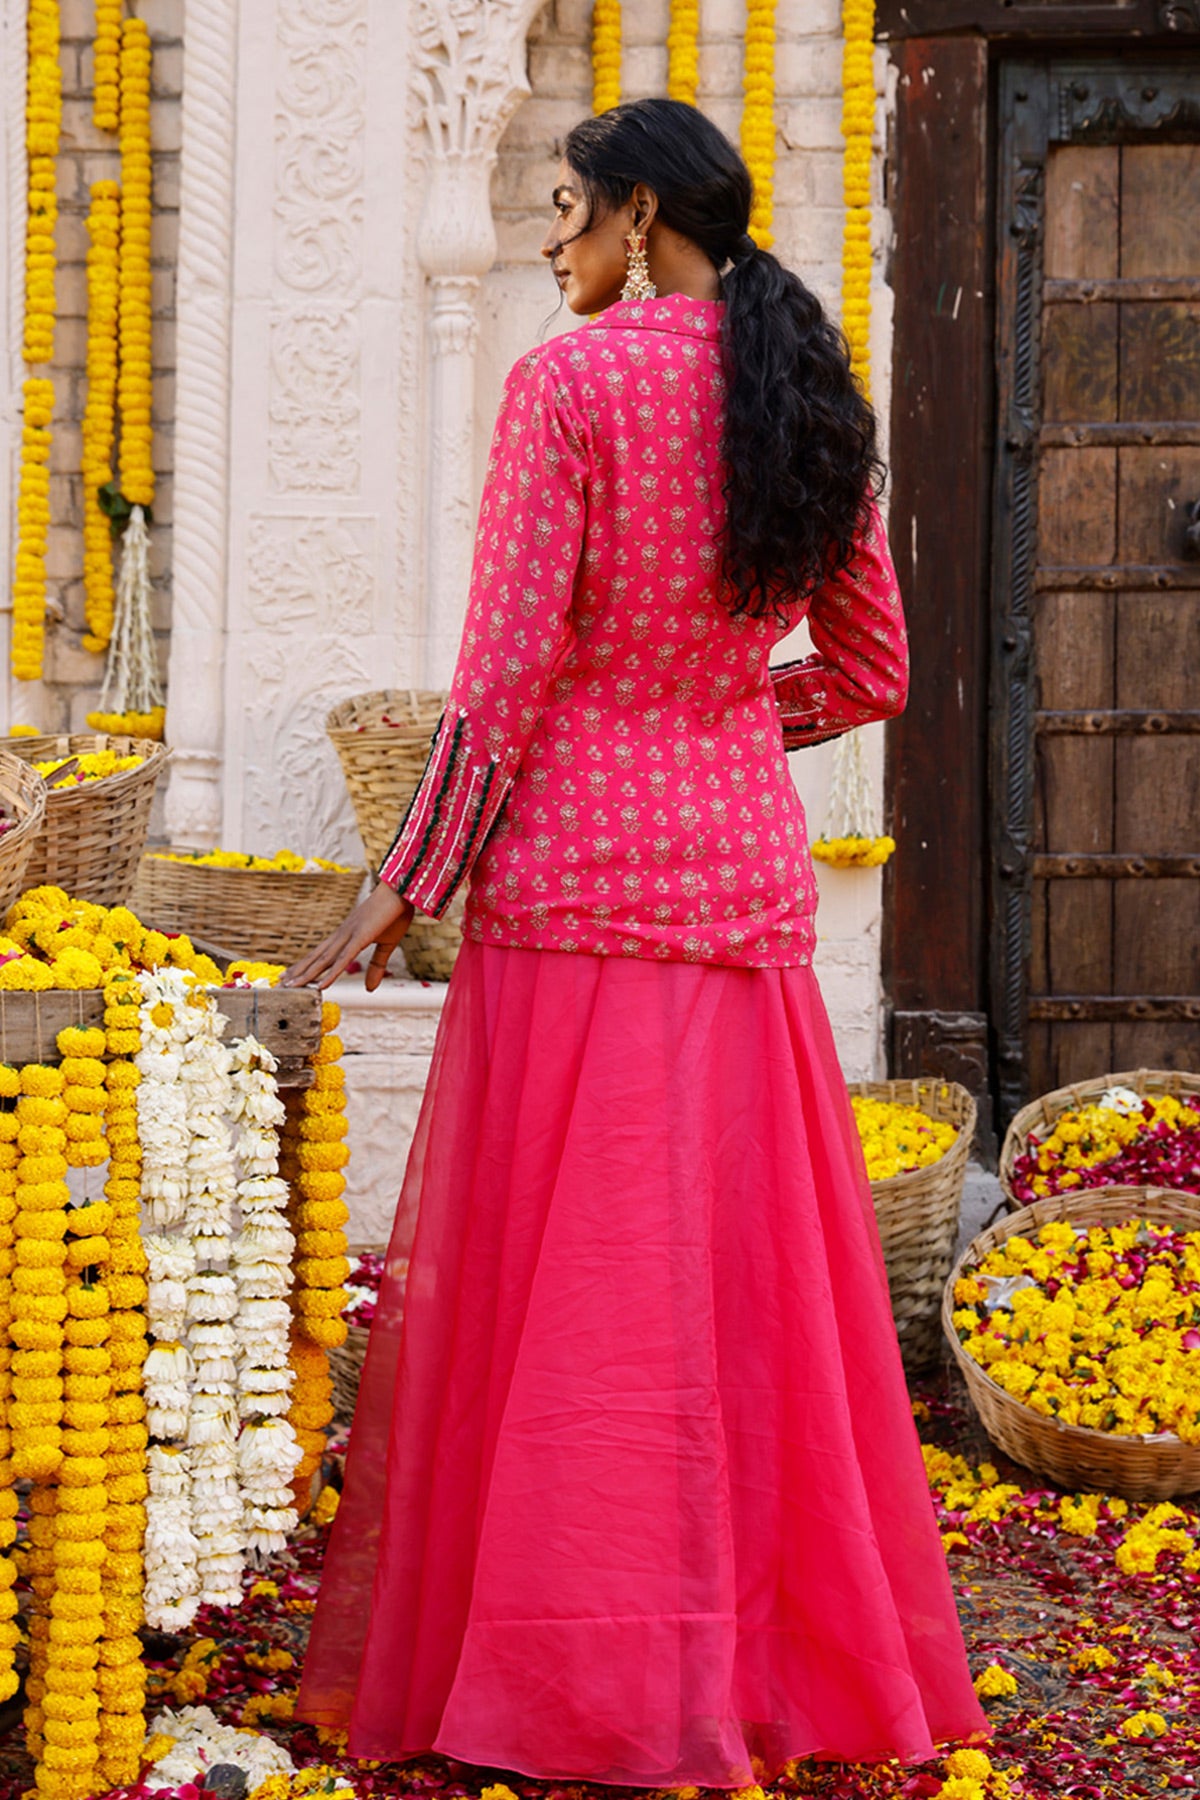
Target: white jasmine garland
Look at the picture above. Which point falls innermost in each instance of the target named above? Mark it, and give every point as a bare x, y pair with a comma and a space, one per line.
268, 1451
172, 1592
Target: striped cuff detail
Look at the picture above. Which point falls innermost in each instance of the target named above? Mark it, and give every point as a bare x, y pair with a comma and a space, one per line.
447, 822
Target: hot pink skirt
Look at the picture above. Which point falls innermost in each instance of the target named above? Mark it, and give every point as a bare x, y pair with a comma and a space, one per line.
635, 1496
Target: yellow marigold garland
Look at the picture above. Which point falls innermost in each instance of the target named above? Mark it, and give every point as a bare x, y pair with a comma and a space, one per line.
606, 54
10, 1635
312, 1157
758, 116
130, 724
858, 123
43, 116
104, 229
683, 70
106, 96
123, 1675
853, 852
33, 524
133, 386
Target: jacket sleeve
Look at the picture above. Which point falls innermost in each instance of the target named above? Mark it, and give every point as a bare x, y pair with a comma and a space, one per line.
527, 550
859, 667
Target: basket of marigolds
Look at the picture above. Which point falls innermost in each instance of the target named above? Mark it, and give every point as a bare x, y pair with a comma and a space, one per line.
22, 810
274, 907
1076, 1324
1139, 1129
916, 1137
99, 791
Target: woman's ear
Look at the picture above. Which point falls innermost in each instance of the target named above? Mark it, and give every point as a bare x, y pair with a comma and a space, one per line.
644, 202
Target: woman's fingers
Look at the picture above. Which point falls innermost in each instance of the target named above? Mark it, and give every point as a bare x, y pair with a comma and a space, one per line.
385, 944
323, 964
382, 918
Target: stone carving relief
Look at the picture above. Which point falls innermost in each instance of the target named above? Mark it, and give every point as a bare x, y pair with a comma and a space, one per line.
293, 791
315, 406
320, 143
315, 402
315, 574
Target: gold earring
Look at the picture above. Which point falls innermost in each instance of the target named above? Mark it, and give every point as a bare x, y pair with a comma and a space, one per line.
638, 285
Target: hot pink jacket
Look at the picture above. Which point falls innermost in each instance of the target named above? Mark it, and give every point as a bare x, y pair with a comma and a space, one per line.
610, 770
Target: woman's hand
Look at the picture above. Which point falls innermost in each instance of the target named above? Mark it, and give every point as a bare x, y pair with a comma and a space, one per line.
381, 919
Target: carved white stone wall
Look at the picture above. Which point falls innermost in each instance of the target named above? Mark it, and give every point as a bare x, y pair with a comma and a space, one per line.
389, 1040
321, 238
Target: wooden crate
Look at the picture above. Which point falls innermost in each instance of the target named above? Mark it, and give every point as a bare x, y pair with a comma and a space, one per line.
286, 1020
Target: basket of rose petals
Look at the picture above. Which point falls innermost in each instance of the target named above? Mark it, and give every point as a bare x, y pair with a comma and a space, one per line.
1141, 1128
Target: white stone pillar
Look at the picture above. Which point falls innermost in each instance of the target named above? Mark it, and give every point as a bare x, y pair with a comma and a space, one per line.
468, 78
196, 668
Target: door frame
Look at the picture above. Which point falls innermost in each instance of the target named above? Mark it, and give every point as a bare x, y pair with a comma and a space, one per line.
953, 952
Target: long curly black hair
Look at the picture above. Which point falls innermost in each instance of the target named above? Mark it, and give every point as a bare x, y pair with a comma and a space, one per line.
798, 442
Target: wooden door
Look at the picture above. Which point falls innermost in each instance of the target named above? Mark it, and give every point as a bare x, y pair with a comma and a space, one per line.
1097, 702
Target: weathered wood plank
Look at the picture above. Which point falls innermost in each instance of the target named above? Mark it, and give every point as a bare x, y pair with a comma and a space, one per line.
1120, 432
286, 1020
1116, 1008
1093, 291
1077, 513
934, 957
1159, 185
1116, 723
1160, 360
1114, 866
1157, 487
1178, 576
1083, 215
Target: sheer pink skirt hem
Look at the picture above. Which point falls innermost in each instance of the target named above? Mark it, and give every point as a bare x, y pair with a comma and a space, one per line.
635, 1496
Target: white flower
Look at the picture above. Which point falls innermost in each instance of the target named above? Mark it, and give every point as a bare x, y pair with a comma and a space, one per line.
211, 1296
267, 1381
200, 1741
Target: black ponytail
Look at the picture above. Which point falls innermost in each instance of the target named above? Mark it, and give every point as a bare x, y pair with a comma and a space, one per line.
799, 437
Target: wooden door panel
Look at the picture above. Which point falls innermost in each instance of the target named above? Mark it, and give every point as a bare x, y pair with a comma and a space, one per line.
1073, 636
1153, 1045
1159, 184
1156, 486
1160, 360
1077, 496
1158, 947
1083, 210
1101, 420
1157, 651
1080, 354
1155, 807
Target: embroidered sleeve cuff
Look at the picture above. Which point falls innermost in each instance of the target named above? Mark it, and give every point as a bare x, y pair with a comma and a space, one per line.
448, 819
810, 712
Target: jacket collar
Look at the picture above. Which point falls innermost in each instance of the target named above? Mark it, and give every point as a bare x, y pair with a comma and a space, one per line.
673, 312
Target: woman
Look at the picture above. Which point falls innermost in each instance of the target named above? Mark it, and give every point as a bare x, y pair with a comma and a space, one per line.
638, 1499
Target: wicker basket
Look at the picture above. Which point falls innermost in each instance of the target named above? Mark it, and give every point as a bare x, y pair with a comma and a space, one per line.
346, 1366
918, 1213
431, 946
1138, 1468
93, 833
23, 798
383, 764
1040, 1114
269, 913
